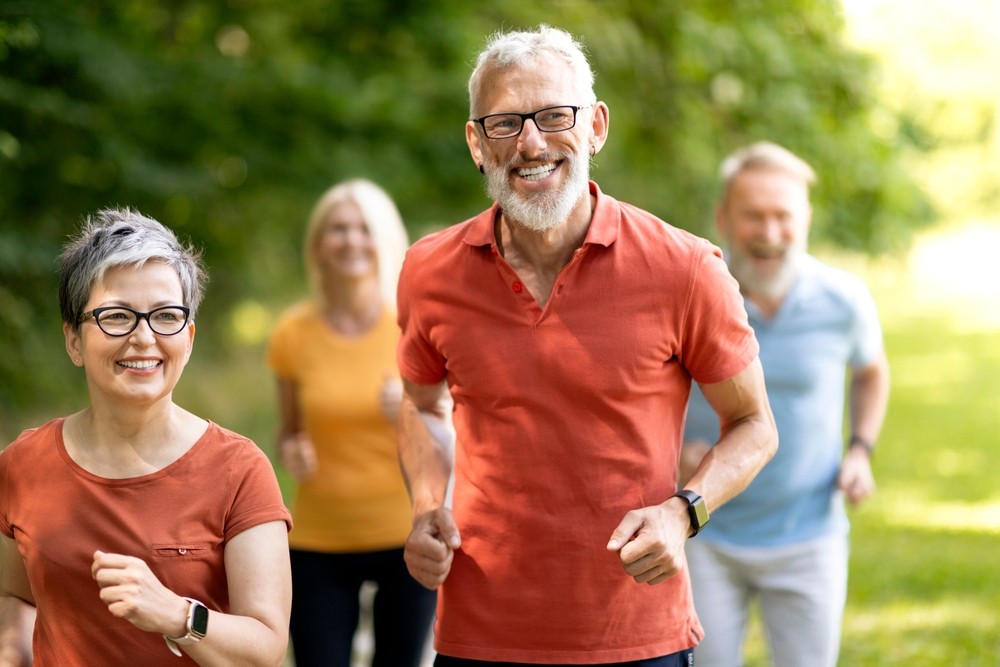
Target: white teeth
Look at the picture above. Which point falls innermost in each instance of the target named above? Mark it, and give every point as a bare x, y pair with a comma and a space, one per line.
537, 173
139, 365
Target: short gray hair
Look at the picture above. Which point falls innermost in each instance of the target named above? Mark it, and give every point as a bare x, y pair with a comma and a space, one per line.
507, 50
764, 155
115, 237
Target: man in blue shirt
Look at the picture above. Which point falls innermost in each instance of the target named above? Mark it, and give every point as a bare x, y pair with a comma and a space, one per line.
784, 539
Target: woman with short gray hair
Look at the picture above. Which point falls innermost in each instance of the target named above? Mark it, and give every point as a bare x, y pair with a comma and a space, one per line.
138, 530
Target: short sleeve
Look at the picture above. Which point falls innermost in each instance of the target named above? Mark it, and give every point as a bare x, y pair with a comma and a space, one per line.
283, 344
718, 340
419, 361
866, 331
257, 496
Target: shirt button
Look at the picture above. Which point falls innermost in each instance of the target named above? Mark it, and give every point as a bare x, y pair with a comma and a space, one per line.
182, 551
517, 286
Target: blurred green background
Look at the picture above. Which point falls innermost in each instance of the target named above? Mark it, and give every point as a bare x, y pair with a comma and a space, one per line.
225, 121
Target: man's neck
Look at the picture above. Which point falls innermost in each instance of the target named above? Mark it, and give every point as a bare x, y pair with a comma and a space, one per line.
548, 250
767, 305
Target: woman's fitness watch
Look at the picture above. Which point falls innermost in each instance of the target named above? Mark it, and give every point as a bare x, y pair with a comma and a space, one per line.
197, 626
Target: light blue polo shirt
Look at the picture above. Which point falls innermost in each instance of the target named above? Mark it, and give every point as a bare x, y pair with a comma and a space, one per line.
827, 323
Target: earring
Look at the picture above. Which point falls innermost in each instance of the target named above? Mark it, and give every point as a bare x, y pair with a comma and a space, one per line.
481, 170
593, 150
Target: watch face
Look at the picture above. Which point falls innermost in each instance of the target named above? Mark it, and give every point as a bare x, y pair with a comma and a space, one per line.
199, 619
700, 512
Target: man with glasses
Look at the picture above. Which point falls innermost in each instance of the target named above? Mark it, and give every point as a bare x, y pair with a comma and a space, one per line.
567, 326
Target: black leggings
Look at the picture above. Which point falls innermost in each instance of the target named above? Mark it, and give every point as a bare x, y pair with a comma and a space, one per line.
325, 608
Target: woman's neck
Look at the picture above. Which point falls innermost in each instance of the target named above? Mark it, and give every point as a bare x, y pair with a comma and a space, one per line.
352, 307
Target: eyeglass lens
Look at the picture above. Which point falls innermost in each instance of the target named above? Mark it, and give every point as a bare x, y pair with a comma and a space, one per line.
553, 119
165, 321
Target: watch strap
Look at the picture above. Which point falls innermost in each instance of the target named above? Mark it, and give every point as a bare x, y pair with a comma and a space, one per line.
697, 511
858, 441
193, 634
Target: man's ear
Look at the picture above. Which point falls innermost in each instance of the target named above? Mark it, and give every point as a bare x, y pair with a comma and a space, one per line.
599, 126
472, 140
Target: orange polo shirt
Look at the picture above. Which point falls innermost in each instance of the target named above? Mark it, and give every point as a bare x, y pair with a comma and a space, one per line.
566, 417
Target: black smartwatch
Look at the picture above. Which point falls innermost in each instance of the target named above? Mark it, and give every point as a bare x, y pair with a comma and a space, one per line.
197, 627
697, 510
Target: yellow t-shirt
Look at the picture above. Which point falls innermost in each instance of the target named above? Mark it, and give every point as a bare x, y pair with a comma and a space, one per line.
357, 500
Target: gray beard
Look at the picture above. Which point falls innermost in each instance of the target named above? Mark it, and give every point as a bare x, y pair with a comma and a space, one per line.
540, 211
769, 287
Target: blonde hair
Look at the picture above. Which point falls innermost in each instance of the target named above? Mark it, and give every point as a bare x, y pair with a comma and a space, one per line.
384, 224
764, 155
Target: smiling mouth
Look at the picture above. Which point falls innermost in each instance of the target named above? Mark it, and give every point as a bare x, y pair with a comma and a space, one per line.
140, 365
537, 173
767, 253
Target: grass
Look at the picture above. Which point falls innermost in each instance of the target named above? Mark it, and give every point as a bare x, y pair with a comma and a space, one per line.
924, 584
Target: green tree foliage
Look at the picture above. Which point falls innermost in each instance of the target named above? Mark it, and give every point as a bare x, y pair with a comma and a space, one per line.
226, 120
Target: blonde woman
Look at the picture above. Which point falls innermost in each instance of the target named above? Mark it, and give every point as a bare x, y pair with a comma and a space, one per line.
339, 393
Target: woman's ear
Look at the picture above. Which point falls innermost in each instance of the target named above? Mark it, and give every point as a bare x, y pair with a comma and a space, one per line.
190, 335
74, 344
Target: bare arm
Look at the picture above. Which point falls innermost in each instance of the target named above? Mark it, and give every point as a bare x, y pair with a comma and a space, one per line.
425, 444
868, 399
650, 541
295, 449
425, 456
13, 575
17, 611
17, 622
692, 452
748, 440
253, 632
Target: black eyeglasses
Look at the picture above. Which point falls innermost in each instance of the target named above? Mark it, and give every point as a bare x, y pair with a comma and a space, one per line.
121, 321
549, 119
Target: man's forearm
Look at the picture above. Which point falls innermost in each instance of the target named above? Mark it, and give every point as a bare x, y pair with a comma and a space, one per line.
426, 443
869, 399
748, 440
729, 467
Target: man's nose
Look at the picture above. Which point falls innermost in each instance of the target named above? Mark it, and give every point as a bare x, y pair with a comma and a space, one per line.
772, 231
530, 139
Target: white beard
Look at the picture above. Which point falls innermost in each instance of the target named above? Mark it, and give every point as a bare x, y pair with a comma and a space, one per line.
540, 211
773, 287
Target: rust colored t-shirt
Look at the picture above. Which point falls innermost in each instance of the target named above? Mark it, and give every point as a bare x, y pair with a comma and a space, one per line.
566, 418
177, 519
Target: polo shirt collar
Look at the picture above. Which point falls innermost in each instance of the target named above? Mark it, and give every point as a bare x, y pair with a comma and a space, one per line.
603, 228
